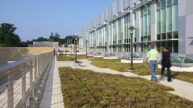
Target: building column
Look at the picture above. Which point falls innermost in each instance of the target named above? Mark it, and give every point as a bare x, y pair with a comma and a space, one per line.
138, 29
117, 29
108, 38
153, 21
123, 30
111, 35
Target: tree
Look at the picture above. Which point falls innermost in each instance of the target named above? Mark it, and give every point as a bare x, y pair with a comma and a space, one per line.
40, 39
55, 37
8, 36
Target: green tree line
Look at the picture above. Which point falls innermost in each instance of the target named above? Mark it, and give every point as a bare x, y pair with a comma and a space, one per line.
55, 37
7, 35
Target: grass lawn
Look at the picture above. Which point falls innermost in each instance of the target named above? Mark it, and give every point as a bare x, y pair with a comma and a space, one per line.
140, 69
88, 89
70, 57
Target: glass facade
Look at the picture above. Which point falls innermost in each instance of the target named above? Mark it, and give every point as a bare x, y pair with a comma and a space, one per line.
120, 32
167, 25
126, 26
127, 33
116, 32
145, 27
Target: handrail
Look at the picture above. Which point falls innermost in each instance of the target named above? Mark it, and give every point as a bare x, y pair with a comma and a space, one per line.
21, 81
9, 66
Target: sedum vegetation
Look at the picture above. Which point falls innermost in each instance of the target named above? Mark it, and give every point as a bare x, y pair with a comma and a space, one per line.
140, 69
88, 89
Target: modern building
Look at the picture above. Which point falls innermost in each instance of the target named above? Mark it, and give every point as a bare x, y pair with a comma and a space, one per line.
162, 22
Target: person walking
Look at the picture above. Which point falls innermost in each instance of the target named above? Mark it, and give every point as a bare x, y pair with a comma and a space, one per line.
152, 57
166, 63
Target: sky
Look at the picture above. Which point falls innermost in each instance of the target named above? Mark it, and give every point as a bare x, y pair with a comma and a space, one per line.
36, 18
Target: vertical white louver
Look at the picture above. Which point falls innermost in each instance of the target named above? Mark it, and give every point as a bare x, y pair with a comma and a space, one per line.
106, 14
126, 3
114, 8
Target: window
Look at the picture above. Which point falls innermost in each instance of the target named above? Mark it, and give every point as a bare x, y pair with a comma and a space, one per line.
149, 38
126, 41
167, 19
120, 36
175, 46
114, 32
169, 16
119, 49
145, 21
126, 48
175, 35
169, 35
126, 26
163, 36
142, 39
169, 45
158, 21
158, 46
158, 37
141, 47
119, 41
175, 17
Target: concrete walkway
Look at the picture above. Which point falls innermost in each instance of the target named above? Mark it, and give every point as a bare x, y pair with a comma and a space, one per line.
182, 89
53, 97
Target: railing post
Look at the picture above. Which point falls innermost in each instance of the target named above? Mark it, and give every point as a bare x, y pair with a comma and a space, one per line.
31, 74
10, 89
38, 65
36, 72
24, 86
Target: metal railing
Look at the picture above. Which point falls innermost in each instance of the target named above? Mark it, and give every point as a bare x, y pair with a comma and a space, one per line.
22, 82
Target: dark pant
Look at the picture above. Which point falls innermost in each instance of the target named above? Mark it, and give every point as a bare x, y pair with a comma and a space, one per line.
169, 72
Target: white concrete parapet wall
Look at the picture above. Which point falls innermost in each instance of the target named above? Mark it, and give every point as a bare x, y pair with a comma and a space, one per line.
111, 58
179, 69
129, 61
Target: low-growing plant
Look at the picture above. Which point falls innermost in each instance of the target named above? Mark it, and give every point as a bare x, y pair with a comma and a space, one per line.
88, 89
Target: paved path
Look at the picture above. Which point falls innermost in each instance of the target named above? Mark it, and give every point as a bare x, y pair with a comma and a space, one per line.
53, 97
86, 65
182, 89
